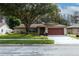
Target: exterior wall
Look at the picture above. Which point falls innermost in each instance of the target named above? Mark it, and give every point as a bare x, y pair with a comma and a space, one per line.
77, 31
46, 30
20, 30
5, 29
73, 31
65, 31
69, 31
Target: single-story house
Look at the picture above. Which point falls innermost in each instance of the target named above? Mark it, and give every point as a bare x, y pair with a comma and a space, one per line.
74, 29
51, 29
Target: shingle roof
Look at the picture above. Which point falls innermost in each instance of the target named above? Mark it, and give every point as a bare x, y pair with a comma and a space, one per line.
20, 26
74, 26
1, 24
56, 26
42, 25
37, 25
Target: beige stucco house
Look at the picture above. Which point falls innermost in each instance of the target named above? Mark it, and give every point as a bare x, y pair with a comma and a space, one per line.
50, 29
74, 29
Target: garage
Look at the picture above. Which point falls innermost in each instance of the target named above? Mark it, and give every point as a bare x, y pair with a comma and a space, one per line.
55, 31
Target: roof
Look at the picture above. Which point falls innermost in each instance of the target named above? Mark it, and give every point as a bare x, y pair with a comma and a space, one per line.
56, 26
74, 26
20, 26
1, 24
51, 25
37, 25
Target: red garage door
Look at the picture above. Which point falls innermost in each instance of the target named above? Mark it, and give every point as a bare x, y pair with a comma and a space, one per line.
55, 31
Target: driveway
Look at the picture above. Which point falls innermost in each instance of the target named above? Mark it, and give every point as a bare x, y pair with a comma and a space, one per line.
61, 39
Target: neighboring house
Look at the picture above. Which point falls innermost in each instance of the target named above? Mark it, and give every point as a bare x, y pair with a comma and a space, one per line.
4, 28
41, 29
74, 29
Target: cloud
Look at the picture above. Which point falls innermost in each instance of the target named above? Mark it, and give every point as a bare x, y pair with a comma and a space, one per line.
69, 9
73, 8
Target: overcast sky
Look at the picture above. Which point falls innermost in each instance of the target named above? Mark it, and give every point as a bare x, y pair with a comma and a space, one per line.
68, 8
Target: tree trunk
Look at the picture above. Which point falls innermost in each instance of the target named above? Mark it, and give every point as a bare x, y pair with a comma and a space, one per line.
27, 27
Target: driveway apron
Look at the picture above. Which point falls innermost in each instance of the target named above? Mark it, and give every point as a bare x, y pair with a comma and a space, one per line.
62, 39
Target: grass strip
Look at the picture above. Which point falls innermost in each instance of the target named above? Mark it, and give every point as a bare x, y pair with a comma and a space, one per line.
26, 42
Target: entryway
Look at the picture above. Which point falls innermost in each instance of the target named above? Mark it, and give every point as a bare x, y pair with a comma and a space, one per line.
42, 30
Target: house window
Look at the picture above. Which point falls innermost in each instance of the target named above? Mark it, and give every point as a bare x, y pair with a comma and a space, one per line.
0, 20
1, 30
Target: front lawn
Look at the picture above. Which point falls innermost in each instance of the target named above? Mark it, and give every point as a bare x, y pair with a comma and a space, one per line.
24, 39
26, 42
21, 36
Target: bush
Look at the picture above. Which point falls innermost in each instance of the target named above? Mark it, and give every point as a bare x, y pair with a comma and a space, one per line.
77, 35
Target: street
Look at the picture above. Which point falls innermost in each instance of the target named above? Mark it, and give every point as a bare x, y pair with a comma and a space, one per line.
39, 50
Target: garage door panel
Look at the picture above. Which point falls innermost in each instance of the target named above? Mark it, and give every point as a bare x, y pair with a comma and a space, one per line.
56, 31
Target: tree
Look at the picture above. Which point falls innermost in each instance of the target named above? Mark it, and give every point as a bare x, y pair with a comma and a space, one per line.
29, 12
63, 20
76, 17
12, 22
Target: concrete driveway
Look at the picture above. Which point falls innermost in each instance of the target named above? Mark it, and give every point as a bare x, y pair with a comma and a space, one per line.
61, 39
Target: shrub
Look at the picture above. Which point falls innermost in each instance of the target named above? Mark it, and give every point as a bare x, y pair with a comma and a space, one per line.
77, 35
28, 36
40, 37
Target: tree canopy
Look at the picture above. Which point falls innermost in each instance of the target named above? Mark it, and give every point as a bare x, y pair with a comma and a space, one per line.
28, 12
12, 22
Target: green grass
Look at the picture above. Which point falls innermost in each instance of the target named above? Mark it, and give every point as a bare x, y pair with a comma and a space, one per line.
26, 42
28, 39
21, 36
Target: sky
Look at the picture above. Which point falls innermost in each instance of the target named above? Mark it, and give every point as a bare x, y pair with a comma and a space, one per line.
68, 8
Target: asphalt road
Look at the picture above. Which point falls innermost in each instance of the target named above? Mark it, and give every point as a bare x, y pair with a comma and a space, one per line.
39, 50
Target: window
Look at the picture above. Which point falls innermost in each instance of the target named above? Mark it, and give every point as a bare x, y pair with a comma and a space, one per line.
1, 30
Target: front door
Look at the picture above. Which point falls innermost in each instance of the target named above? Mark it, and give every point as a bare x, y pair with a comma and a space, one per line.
42, 30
